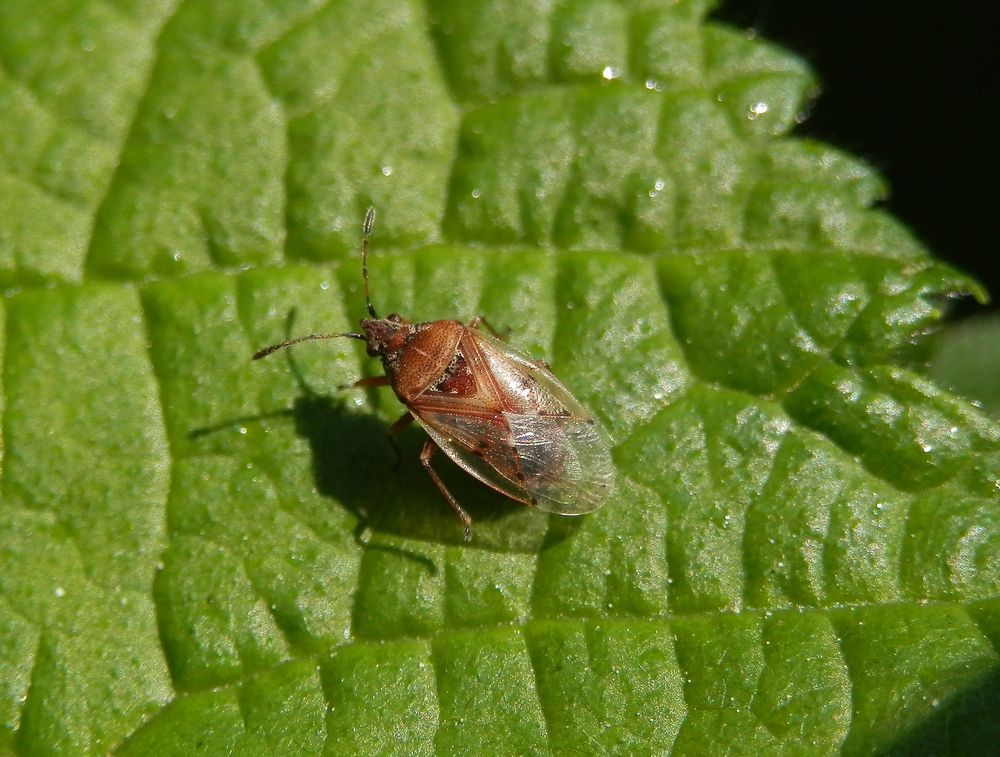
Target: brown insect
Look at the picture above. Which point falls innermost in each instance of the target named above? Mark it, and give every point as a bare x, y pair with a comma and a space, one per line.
498, 414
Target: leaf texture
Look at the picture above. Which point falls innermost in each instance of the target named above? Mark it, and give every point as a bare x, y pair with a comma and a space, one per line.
200, 553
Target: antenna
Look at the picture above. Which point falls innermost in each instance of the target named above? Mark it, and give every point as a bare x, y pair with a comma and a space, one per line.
369, 222
367, 229
289, 342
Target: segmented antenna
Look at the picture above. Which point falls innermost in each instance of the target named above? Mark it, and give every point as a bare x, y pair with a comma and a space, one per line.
369, 222
289, 342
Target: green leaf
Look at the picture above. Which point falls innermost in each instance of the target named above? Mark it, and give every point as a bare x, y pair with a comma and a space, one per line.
200, 553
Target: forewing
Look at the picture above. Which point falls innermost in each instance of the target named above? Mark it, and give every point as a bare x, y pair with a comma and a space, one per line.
564, 456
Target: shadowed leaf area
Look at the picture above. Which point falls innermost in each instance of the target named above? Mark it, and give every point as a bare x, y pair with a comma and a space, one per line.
204, 554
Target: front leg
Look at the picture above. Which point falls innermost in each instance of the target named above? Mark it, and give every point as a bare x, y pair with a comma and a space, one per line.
367, 382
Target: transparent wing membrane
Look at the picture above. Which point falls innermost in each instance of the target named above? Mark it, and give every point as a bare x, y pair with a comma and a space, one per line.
559, 463
565, 461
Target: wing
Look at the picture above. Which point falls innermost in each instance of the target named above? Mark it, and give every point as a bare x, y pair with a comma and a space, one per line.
520, 431
565, 461
566, 458
560, 463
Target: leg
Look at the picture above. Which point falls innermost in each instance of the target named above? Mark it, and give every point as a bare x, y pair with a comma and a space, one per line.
367, 382
397, 428
480, 320
425, 459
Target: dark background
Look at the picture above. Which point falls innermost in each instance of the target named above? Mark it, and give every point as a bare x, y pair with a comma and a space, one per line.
914, 88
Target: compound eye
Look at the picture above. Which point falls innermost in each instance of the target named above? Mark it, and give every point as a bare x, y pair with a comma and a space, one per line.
395, 317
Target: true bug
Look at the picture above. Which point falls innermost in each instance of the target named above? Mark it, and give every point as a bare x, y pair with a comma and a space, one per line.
498, 414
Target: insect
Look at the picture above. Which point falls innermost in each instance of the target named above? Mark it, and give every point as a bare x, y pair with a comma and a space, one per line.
495, 412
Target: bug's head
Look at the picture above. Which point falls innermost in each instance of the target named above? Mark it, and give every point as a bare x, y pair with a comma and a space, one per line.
386, 335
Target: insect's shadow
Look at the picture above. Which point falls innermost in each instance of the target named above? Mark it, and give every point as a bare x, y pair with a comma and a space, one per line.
347, 466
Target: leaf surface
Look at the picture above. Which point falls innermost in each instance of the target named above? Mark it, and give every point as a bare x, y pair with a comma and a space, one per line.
198, 552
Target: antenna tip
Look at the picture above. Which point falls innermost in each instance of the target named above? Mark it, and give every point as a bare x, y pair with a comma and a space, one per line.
369, 221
